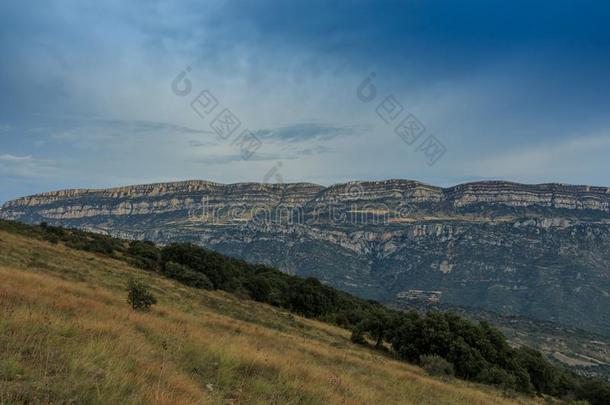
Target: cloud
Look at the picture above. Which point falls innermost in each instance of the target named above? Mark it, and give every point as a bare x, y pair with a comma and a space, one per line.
15, 159
548, 162
193, 143
504, 90
27, 167
87, 133
225, 159
315, 151
149, 126
304, 132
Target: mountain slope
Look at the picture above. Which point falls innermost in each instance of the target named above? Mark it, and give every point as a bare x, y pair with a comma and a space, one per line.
68, 336
541, 251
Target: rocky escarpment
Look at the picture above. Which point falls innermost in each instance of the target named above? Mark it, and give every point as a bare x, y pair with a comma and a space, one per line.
557, 196
496, 198
155, 199
541, 251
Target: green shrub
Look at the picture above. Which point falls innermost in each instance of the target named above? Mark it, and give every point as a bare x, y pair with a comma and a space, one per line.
358, 337
53, 239
217, 268
595, 391
143, 263
187, 276
139, 297
496, 376
436, 365
145, 254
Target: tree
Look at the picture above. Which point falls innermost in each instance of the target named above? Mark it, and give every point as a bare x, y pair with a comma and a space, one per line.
378, 324
145, 255
187, 276
221, 271
596, 391
436, 365
357, 336
139, 297
260, 288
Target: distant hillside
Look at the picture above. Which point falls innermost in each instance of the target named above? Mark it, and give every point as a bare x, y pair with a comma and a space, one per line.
582, 352
540, 251
67, 335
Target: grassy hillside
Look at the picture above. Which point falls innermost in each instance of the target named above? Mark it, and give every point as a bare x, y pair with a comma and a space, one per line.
67, 335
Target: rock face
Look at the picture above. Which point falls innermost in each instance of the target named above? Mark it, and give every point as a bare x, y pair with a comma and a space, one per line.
541, 251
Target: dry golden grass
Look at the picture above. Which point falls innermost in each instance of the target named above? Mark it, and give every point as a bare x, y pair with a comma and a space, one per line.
67, 335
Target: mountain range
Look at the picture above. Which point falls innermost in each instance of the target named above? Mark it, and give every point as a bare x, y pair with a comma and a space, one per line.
538, 251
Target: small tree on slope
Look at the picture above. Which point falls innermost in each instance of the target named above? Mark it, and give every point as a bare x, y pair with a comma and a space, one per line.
139, 297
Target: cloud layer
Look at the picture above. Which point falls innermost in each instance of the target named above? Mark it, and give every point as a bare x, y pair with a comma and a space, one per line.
515, 90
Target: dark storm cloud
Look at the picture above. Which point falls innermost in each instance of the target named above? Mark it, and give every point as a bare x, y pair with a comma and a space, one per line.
84, 87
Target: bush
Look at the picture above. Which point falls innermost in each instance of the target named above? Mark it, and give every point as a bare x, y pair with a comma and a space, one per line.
358, 337
220, 270
436, 365
493, 375
143, 263
145, 255
53, 239
595, 391
259, 288
187, 276
139, 297
543, 376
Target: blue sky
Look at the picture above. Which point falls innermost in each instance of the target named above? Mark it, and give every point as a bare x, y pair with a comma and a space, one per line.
516, 90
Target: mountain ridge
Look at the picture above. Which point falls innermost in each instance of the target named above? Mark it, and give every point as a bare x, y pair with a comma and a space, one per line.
556, 195
193, 182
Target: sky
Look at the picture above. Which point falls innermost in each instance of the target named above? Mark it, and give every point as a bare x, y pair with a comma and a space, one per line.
103, 94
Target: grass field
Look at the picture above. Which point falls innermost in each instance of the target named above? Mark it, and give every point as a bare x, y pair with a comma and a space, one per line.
67, 335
